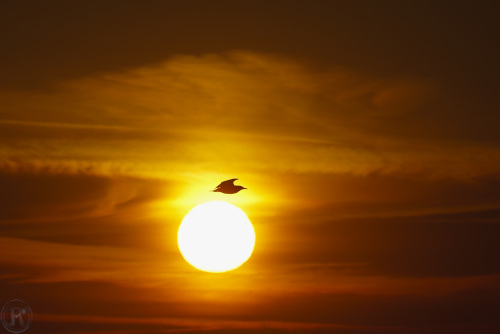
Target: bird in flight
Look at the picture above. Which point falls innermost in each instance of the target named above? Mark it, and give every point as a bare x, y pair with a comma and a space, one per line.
228, 187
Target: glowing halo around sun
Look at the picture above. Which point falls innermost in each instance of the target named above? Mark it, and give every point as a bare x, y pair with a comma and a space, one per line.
216, 237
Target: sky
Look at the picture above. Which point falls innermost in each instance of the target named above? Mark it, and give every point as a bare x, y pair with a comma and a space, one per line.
366, 133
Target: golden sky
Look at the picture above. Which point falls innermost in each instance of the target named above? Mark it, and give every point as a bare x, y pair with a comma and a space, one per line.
366, 134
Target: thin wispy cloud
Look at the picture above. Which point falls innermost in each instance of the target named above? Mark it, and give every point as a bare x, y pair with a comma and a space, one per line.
186, 111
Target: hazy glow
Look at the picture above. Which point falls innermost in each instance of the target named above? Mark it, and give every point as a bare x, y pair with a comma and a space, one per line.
216, 237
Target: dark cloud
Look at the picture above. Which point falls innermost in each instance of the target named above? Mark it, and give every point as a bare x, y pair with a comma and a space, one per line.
413, 247
81, 209
45, 195
394, 225
395, 193
108, 307
72, 40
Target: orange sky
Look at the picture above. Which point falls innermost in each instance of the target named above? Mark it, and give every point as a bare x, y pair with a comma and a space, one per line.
366, 134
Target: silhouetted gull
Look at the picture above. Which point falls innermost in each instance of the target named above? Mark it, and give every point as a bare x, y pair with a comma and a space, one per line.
228, 187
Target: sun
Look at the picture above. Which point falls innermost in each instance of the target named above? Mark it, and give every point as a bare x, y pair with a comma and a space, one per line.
216, 237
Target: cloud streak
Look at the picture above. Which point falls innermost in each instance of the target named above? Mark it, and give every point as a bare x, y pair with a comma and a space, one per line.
181, 325
195, 113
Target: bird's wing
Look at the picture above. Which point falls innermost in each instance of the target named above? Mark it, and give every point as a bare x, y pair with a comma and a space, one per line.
227, 183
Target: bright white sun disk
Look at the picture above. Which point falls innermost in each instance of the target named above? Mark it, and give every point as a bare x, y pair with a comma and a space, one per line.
216, 237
